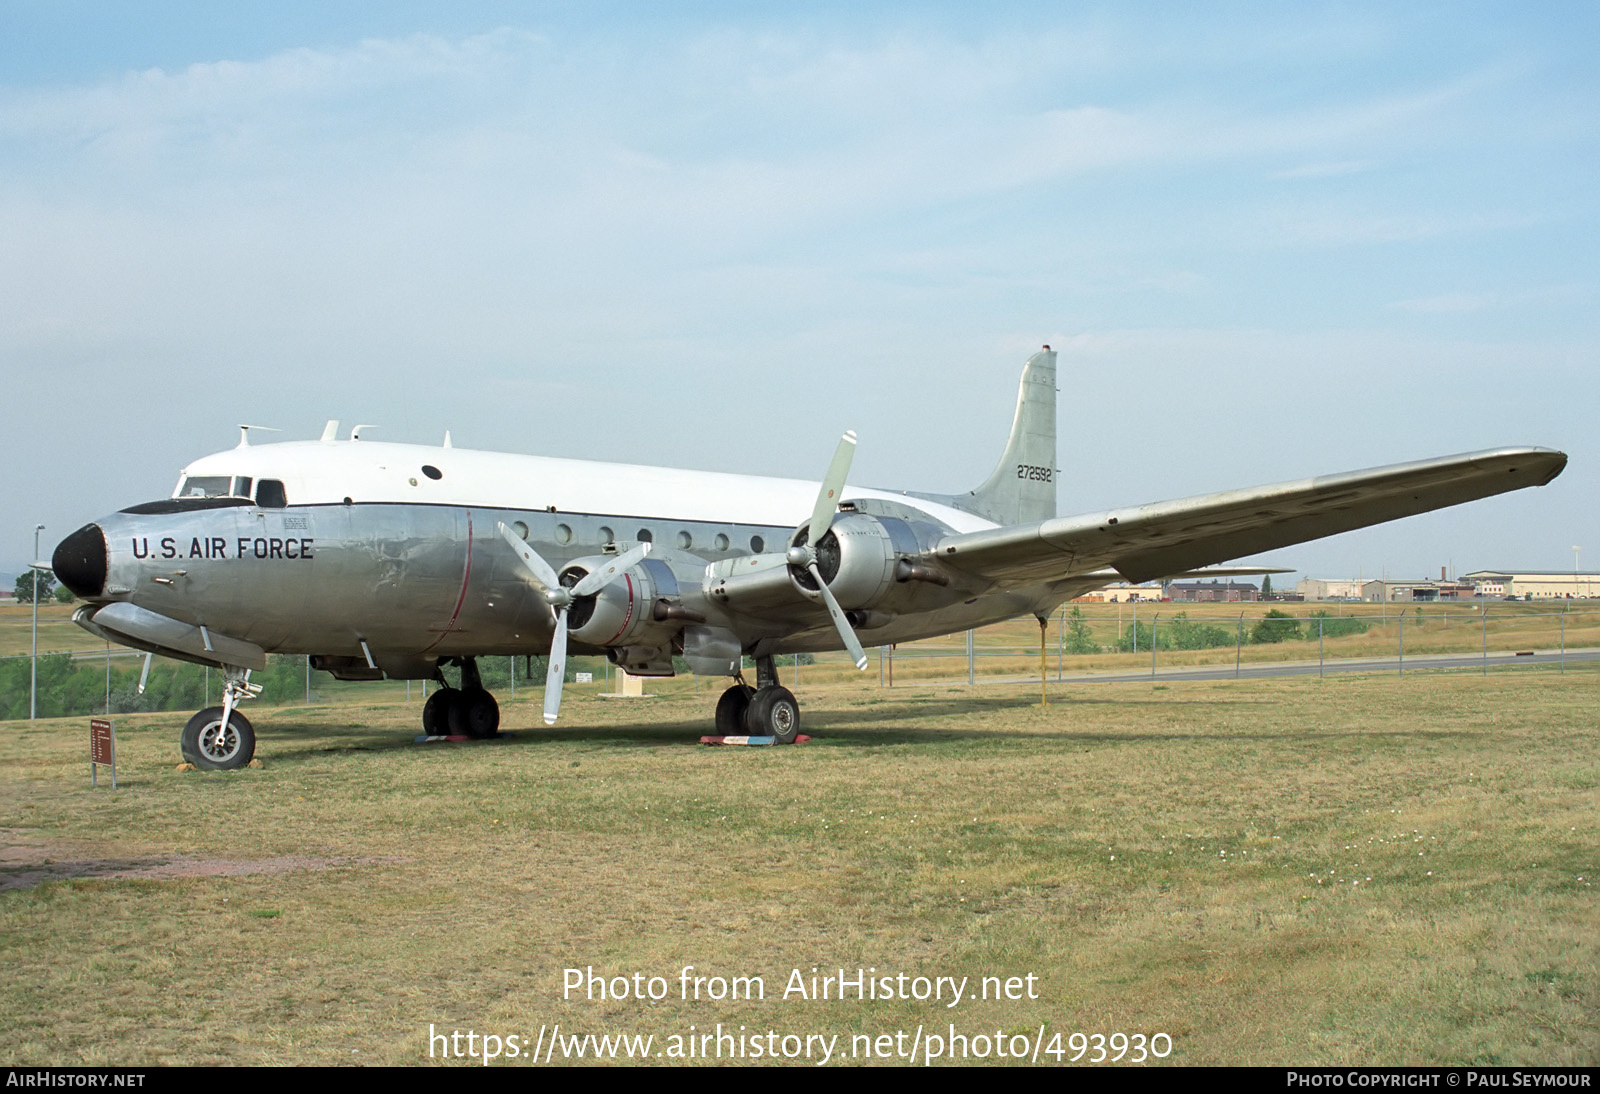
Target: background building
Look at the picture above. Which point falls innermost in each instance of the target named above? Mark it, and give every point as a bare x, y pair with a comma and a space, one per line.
1536, 584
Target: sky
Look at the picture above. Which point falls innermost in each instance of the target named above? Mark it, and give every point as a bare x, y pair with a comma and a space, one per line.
1269, 241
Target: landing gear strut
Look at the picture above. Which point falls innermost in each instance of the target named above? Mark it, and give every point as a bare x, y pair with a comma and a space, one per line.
467, 711
767, 710
220, 738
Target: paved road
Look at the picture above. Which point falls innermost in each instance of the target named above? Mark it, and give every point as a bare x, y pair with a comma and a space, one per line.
1545, 658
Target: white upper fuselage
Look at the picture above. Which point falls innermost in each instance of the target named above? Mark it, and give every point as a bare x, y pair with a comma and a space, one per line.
328, 472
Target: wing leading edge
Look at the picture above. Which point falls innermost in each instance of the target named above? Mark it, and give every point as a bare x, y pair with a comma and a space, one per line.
1164, 538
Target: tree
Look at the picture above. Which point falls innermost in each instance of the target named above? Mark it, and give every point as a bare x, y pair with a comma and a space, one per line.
64, 595
47, 584
1266, 586
1079, 638
1275, 627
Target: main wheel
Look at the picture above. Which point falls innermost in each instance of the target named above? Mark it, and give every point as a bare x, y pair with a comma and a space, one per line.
774, 712
206, 745
474, 714
436, 712
731, 709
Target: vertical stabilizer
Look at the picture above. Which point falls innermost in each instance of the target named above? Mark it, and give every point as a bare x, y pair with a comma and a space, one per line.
1022, 489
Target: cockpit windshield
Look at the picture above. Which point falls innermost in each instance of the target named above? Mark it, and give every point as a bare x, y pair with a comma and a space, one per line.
213, 486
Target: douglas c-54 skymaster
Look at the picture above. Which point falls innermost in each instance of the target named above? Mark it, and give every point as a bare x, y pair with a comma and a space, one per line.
393, 559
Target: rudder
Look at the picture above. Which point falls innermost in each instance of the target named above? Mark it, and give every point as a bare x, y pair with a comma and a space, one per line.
1022, 488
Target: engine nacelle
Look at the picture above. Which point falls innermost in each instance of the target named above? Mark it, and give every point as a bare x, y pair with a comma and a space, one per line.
640, 608
856, 558
866, 561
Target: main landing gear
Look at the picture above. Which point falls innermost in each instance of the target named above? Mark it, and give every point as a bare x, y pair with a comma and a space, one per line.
767, 710
467, 711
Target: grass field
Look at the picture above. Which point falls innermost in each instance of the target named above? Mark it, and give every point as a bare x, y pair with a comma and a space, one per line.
1363, 869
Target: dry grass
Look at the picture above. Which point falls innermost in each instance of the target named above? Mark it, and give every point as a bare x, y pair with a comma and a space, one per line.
1191, 858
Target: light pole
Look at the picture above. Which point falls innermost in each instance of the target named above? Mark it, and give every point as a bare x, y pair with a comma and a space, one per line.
33, 671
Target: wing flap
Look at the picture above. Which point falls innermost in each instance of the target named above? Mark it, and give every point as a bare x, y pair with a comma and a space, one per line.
1167, 538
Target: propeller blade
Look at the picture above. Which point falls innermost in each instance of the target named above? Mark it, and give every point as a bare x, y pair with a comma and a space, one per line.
536, 565
558, 670
840, 623
595, 580
832, 487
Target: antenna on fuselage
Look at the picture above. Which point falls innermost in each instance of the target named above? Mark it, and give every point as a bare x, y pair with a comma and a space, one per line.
447, 439
330, 432
244, 433
355, 431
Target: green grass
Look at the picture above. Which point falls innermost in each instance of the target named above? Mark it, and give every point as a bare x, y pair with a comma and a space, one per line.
1192, 860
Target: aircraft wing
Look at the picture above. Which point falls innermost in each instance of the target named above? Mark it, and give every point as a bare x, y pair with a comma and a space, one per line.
1167, 538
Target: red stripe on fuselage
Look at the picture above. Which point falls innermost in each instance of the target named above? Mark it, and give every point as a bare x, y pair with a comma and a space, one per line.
466, 575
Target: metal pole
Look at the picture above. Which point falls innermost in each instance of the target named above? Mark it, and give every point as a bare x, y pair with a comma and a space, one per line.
33, 671
1135, 626
108, 679
1044, 626
880, 666
1061, 626
969, 657
308, 679
1402, 644
513, 661
1319, 646
1153, 625
1564, 639
1238, 646
1486, 640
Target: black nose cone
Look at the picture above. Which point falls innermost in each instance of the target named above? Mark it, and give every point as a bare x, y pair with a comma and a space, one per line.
80, 562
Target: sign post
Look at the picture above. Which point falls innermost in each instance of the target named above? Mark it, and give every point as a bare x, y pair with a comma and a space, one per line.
102, 749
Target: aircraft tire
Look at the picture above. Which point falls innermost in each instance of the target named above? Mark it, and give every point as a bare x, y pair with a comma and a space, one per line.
774, 712
204, 745
731, 709
436, 712
474, 714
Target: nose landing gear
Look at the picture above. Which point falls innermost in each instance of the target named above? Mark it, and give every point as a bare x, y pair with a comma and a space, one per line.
220, 738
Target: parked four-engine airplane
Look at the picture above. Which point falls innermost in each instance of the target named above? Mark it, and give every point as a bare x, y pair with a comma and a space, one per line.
393, 559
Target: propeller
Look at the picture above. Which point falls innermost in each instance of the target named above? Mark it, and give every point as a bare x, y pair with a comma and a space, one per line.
805, 555
560, 598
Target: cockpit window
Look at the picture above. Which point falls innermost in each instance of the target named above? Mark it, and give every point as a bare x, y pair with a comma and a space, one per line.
214, 486
270, 494
205, 486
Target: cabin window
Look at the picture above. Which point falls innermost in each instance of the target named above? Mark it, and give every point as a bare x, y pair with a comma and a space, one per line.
271, 495
685, 541
721, 542
757, 544
520, 528
431, 471
241, 486
646, 536
607, 535
563, 533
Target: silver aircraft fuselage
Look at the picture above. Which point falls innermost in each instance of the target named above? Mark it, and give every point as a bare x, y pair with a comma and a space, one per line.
409, 582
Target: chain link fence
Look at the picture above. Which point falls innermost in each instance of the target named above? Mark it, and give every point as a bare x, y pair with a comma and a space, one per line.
1079, 642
